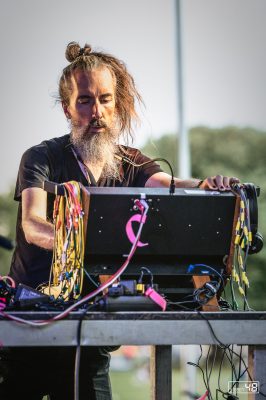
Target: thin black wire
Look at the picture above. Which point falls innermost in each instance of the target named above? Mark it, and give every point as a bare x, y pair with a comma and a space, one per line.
172, 184
142, 271
204, 376
228, 348
240, 359
206, 372
90, 278
234, 376
219, 373
180, 305
233, 370
78, 351
201, 370
213, 362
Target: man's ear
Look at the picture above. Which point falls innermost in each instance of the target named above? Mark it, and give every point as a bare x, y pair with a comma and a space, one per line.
65, 108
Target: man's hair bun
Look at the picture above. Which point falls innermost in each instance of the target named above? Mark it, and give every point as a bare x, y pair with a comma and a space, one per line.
74, 51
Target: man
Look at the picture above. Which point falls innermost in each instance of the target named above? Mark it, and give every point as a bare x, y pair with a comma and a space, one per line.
98, 97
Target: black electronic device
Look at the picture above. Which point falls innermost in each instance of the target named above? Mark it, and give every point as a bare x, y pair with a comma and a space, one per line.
26, 297
187, 233
185, 223
126, 303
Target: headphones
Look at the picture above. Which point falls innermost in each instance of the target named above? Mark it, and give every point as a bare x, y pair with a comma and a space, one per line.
252, 194
206, 292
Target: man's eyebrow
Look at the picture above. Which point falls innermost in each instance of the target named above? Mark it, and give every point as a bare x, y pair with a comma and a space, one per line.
86, 96
107, 95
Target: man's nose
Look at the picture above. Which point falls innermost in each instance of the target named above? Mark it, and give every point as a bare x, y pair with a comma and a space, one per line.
97, 110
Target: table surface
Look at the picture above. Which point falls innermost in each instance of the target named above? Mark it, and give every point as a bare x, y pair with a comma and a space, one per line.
137, 328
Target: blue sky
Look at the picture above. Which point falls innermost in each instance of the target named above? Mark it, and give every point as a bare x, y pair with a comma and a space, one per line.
224, 64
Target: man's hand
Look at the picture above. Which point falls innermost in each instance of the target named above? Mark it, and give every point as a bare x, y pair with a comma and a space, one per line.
218, 182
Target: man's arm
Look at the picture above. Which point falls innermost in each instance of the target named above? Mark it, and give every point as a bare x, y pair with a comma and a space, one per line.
35, 226
218, 182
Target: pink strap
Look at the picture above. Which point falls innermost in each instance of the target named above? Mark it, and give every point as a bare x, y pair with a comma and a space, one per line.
129, 229
156, 297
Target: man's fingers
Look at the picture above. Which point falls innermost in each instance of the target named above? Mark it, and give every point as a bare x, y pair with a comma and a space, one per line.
233, 180
211, 183
226, 182
219, 182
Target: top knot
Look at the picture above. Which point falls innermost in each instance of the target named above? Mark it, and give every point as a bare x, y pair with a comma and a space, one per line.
74, 51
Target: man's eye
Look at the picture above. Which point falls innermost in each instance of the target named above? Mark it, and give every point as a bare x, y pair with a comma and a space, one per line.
106, 100
83, 101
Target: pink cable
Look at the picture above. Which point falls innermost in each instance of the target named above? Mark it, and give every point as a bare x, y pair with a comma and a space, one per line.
203, 397
112, 279
8, 278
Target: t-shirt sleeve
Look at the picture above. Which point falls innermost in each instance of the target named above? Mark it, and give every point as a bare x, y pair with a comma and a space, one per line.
33, 170
146, 171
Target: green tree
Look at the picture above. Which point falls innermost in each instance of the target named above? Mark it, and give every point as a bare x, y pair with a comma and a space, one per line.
228, 151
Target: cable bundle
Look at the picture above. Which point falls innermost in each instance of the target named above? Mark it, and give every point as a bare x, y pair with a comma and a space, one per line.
68, 256
243, 240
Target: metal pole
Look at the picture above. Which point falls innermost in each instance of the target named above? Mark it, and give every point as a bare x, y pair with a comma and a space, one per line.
184, 168
184, 171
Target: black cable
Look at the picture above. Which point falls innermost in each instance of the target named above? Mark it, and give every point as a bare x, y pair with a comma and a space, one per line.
90, 278
212, 365
180, 305
172, 183
206, 372
223, 346
233, 369
229, 357
240, 359
78, 350
219, 373
226, 347
236, 378
142, 272
205, 377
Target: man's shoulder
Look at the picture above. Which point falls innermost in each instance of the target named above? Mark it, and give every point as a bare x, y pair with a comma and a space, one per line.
53, 144
51, 148
127, 151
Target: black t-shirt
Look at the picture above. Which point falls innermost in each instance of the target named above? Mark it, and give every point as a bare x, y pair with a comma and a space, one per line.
53, 160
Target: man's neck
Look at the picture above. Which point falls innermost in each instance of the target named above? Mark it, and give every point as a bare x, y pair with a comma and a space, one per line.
96, 169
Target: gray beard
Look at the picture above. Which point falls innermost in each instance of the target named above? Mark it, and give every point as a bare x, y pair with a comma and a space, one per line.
97, 149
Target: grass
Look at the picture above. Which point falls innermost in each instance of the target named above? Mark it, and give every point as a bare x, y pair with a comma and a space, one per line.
134, 384
131, 380
130, 385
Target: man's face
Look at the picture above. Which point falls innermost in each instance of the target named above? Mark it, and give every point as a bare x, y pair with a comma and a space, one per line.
92, 101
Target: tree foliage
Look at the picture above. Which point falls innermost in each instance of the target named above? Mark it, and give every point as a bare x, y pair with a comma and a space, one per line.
228, 151
8, 214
